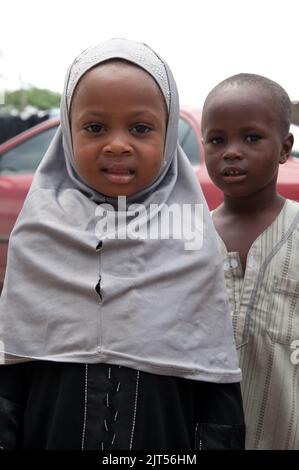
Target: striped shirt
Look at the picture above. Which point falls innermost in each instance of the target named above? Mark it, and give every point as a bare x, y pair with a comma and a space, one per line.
265, 313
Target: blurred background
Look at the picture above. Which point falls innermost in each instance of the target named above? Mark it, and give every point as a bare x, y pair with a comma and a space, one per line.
203, 42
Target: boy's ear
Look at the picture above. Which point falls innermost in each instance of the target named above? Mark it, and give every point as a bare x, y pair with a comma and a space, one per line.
286, 148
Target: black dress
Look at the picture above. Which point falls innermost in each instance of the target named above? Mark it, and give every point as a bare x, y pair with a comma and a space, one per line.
51, 405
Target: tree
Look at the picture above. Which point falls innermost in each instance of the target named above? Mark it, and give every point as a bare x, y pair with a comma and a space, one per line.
39, 98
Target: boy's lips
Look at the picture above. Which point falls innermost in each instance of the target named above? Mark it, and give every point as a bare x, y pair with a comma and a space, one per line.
118, 174
233, 174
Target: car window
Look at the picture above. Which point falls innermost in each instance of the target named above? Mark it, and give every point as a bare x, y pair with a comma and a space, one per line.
25, 157
188, 141
295, 131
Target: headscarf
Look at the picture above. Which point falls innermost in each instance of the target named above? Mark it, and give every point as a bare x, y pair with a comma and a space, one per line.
73, 294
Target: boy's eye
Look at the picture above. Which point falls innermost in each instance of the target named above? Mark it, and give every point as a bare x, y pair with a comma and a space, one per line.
216, 140
95, 128
252, 138
140, 129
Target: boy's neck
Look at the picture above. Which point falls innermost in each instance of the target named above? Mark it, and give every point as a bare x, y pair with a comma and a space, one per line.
251, 205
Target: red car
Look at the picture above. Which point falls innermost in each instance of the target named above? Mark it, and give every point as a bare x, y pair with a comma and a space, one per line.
20, 156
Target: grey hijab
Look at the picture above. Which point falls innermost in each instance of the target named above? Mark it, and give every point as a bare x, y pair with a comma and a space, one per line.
143, 303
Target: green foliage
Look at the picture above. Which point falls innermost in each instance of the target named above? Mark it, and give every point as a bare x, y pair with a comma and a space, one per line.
39, 98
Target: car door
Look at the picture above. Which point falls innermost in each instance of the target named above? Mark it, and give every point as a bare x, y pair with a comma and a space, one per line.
17, 166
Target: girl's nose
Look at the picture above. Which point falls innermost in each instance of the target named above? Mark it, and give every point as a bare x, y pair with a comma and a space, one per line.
117, 144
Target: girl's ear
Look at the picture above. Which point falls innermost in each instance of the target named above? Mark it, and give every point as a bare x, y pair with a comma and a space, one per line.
286, 148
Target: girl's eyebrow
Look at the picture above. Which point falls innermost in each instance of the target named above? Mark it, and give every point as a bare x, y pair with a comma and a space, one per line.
143, 112
92, 113
134, 115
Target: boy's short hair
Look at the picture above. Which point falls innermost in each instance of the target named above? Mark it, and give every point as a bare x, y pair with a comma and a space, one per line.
280, 98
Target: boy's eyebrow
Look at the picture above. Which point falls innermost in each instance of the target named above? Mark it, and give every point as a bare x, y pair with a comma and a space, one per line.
215, 130
253, 127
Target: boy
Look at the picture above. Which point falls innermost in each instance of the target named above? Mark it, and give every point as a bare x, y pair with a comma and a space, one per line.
245, 127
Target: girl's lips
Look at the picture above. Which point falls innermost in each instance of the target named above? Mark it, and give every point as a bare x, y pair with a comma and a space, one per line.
118, 175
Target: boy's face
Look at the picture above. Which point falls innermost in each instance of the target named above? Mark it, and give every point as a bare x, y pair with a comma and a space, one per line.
118, 126
243, 140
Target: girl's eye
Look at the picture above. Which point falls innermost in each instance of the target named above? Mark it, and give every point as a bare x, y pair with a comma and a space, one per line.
252, 138
95, 128
141, 129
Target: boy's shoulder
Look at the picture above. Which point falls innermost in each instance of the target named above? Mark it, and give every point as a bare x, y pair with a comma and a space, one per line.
293, 203
289, 222
291, 207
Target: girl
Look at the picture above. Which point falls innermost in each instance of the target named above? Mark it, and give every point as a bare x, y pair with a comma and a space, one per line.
114, 338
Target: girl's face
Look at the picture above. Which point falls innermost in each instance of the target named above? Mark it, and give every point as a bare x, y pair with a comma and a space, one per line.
243, 141
118, 126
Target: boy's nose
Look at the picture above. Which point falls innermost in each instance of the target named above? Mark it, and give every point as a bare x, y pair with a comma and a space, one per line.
232, 153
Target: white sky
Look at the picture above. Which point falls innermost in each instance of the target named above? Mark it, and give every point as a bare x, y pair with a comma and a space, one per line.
203, 41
